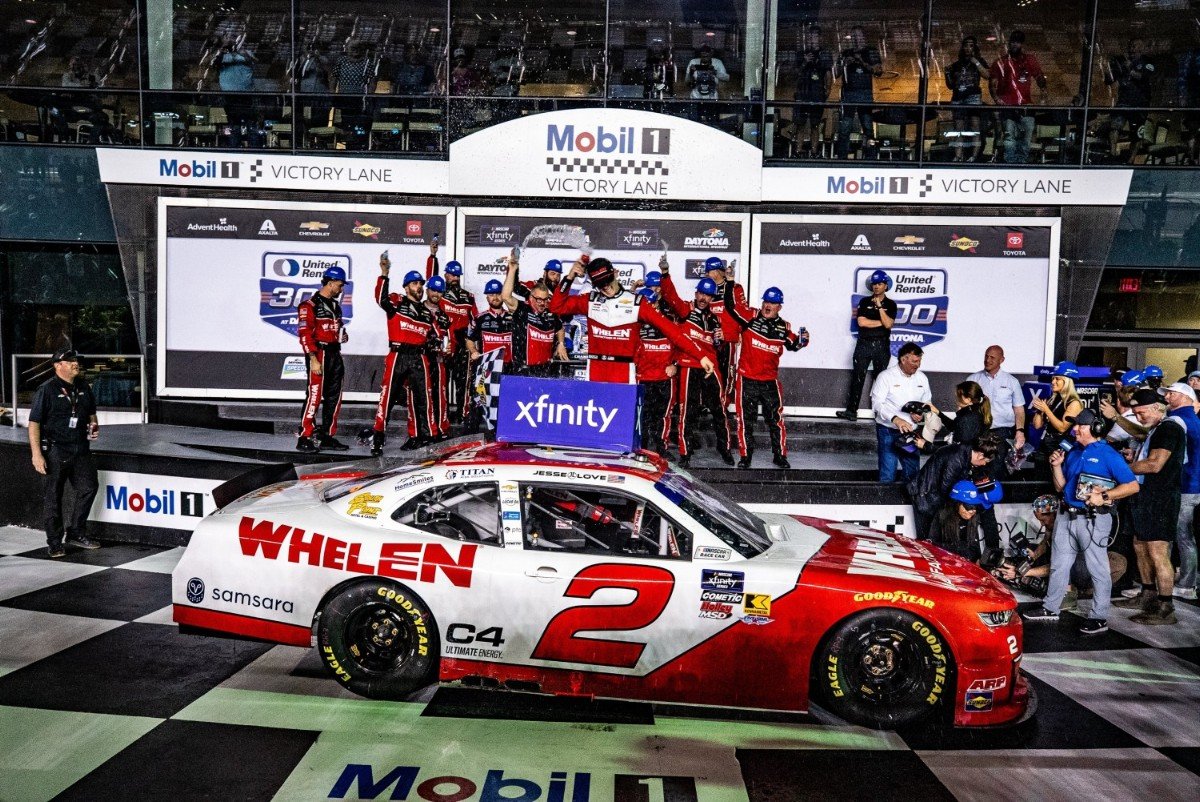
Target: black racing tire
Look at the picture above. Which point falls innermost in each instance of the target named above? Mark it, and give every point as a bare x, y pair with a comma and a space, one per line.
883, 669
379, 639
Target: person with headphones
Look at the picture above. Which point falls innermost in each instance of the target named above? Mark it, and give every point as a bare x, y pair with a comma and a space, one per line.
875, 316
764, 337
322, 332
1091, 475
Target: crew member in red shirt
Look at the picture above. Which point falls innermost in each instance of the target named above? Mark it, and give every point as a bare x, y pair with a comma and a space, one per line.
721, 272
439, 353
614, 316
698, 390
764, 336
656, 371
459, 306
537, 333
1010, 81
492, 328
322, 333
411, 335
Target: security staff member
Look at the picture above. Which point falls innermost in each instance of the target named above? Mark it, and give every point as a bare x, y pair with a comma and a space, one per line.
459, 306
764, 336
1091, 476
322, 332
614, 319
537, 334
63, 414
412, 334
656, 372
697, 388
875, 316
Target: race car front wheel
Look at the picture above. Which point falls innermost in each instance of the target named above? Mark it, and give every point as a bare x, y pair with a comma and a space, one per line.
883, 669
379, 640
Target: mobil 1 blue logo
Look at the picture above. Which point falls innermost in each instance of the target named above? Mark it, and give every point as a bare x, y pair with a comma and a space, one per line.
922, 304
291, 278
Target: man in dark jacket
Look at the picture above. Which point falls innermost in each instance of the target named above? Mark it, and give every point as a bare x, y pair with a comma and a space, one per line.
931, 487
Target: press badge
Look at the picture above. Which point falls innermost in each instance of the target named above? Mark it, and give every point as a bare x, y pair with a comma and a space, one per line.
72, 422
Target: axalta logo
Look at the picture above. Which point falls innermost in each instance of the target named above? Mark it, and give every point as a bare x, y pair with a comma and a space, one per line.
543, 411
172, 168
711, 238
407, 561
267, 229
162, 502
841, 185
861, 243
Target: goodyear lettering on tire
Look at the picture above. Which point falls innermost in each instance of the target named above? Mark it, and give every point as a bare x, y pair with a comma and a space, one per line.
931, 638
398, 598
835, 684
338, 670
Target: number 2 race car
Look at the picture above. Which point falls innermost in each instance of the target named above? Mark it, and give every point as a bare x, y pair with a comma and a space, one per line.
580, 572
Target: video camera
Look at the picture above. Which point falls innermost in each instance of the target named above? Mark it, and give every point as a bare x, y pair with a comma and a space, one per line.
995, 562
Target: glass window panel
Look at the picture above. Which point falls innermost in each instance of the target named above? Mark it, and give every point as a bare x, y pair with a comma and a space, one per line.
217, 121
526, 48
385, 124
1147, 54
69, 117
1160, 299
73, 45
209, 45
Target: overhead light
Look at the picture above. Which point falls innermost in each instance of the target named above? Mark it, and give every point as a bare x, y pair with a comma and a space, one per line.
990, 38
570, 33
435, 29
709, 33
31, 22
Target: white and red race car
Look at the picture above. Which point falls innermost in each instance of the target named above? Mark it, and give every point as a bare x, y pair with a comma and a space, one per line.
579, 572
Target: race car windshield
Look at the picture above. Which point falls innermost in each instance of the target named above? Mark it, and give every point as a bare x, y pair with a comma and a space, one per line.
343, 489
743, 531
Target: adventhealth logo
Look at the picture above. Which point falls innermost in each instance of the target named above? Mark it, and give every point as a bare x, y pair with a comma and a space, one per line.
543, 411
151, 503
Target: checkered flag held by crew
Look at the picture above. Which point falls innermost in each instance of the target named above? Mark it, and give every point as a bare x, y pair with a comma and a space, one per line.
486, 395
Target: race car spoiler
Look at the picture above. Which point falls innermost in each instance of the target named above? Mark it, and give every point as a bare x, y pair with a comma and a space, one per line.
228, 492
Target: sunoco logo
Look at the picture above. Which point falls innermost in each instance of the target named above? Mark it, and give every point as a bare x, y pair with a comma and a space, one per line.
711, 238
195, 590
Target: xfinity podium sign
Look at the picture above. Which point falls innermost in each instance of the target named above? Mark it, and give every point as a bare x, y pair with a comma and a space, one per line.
568, 413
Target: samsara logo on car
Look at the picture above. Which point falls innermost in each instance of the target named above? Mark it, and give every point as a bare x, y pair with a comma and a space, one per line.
366, 230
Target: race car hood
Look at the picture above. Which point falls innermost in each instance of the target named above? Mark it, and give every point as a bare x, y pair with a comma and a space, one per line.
792, 540
868, 557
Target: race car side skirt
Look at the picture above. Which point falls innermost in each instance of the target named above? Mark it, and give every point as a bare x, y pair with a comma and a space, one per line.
273, 631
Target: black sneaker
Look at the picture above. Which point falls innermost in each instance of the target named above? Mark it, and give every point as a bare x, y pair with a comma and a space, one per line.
332, 443
377, 441
780, 461
726, 456
82, 541
413, 443
685, 461
1039, 614
1093, 626
846, 414
55, 552
306, 445
744, 462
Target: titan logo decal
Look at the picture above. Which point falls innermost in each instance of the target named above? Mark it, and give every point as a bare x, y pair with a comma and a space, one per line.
922, 305
410, 561
279, 296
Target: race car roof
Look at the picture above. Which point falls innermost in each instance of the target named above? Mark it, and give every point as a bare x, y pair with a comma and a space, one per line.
644, 464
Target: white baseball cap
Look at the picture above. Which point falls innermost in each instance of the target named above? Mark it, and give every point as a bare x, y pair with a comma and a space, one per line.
1179, 387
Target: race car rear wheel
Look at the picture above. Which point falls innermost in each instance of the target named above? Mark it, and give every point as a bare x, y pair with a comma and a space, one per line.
883, 669
379, 640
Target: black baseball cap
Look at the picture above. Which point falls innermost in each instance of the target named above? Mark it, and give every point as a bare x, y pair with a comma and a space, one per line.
1084, 418
66, 355
1144, 396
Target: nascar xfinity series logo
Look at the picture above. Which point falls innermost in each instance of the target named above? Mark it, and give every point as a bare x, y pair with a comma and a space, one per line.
921, 305
288, 279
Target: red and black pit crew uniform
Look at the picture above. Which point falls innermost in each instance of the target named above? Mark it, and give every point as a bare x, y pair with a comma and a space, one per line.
320, 331
762, 342
727, 349
655, 359
411, 334
696, 390
534, 339
439, 370
614, 330
459, 306
492, 329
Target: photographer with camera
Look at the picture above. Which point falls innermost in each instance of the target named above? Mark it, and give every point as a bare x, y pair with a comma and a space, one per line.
705, 74
893, 388
1091, 476
858, 66
931, 487
1154, 513
956, 527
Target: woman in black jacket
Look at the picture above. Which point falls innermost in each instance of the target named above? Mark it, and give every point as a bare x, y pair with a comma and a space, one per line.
972, 418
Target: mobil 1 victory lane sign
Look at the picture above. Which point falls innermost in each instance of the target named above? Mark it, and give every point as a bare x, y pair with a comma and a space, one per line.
602, 153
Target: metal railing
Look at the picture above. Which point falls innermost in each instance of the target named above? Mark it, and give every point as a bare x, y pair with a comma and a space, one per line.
95, 375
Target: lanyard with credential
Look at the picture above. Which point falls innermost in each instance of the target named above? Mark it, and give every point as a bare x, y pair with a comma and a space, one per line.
73, 398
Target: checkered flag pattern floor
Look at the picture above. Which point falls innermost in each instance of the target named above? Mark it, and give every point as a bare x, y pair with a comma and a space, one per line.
592, 164
102, 697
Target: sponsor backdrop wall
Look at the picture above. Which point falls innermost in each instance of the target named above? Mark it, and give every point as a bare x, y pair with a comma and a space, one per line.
230, 274
960, 285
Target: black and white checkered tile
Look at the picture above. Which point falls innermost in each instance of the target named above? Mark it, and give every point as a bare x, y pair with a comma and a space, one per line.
591, 164
102, 697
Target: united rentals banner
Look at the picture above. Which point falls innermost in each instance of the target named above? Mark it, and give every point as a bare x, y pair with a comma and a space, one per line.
231, 273
960, 285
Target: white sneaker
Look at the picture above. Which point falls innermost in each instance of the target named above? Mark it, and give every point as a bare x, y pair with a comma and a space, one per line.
1129, 593
1184, 593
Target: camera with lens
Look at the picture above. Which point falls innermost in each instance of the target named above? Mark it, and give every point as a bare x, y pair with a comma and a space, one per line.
915, 408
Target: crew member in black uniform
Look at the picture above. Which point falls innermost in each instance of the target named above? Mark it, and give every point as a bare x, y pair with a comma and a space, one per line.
322, 332
875, 315
63, 418
537, 335
459, 305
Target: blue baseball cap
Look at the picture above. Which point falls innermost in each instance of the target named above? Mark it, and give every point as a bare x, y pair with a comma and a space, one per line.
436, 283
554, 265
412, 276
773, 295
453, 268
879, 277
654, 279
333, 274
493, 287
707, 286
714, 263
1066, 369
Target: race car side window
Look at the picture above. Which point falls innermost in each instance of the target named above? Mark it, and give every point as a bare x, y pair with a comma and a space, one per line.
468, 512
580, 519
